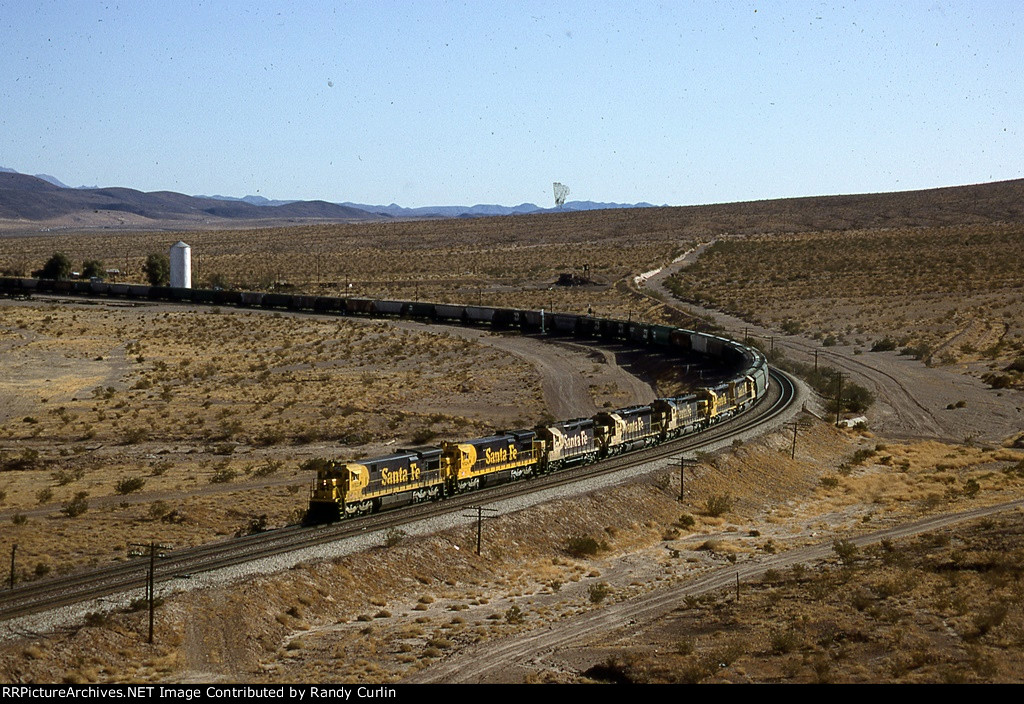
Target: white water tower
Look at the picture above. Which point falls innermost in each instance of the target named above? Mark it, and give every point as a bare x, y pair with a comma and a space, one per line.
181, 265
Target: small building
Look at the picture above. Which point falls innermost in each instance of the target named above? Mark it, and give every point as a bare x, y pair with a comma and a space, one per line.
181, 265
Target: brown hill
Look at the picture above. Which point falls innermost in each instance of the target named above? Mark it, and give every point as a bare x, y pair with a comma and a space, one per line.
1001, 201
27, 198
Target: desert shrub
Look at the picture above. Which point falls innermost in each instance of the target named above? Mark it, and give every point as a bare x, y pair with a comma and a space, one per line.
886, 344
271, 436
918, 351
268, 468
142, 604
64, 477
583, 546
717, 505
161, 467
686, 521
846, 551
133, 436
96, 619
223, 475
599, 592
998, 381
514, 615
785, 641
77, 506
989, 617
44, 495
129, 485
28, 459
393, 537
257, 524
971, 488
856, 398
829, 482
19, 519
862, 455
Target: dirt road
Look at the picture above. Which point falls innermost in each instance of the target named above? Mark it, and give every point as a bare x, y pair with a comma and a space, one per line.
567, 370
565, 644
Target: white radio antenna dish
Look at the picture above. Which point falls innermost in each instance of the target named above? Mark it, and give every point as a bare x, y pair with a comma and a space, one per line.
561, 191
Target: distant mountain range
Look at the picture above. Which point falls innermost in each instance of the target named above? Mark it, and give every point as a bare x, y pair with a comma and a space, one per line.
34, 203
451, 211
44, 199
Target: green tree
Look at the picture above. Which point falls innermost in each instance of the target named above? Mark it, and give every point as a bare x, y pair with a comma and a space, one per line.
57, 267
92, 268
157, 269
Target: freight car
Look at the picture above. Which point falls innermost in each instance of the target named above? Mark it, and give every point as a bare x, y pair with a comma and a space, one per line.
424, 474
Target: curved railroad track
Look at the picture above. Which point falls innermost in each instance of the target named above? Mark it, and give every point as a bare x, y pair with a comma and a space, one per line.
117, 578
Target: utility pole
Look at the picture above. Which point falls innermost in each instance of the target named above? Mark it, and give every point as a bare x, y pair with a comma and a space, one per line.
684, 462
14, 549
150, 578
795, 425
839, 398
479, 522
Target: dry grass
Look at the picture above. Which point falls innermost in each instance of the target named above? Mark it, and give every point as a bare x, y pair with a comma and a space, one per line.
945, 607
494, 261
213, 412
947, 295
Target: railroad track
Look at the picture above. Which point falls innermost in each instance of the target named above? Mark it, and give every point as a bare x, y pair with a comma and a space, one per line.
122, 577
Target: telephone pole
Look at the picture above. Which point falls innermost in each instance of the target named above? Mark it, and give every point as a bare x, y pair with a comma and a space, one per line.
479, 522
839, 399
795, 425
684, 462
153, 549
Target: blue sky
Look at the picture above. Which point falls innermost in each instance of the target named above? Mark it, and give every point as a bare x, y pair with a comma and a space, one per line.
431, 103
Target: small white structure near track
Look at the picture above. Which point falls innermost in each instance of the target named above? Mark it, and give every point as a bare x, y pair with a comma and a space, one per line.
181, 265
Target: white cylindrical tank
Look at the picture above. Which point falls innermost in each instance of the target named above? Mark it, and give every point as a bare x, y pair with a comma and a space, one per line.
181, 265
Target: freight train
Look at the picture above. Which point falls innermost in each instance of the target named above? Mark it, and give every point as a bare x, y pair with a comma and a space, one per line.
343, 489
